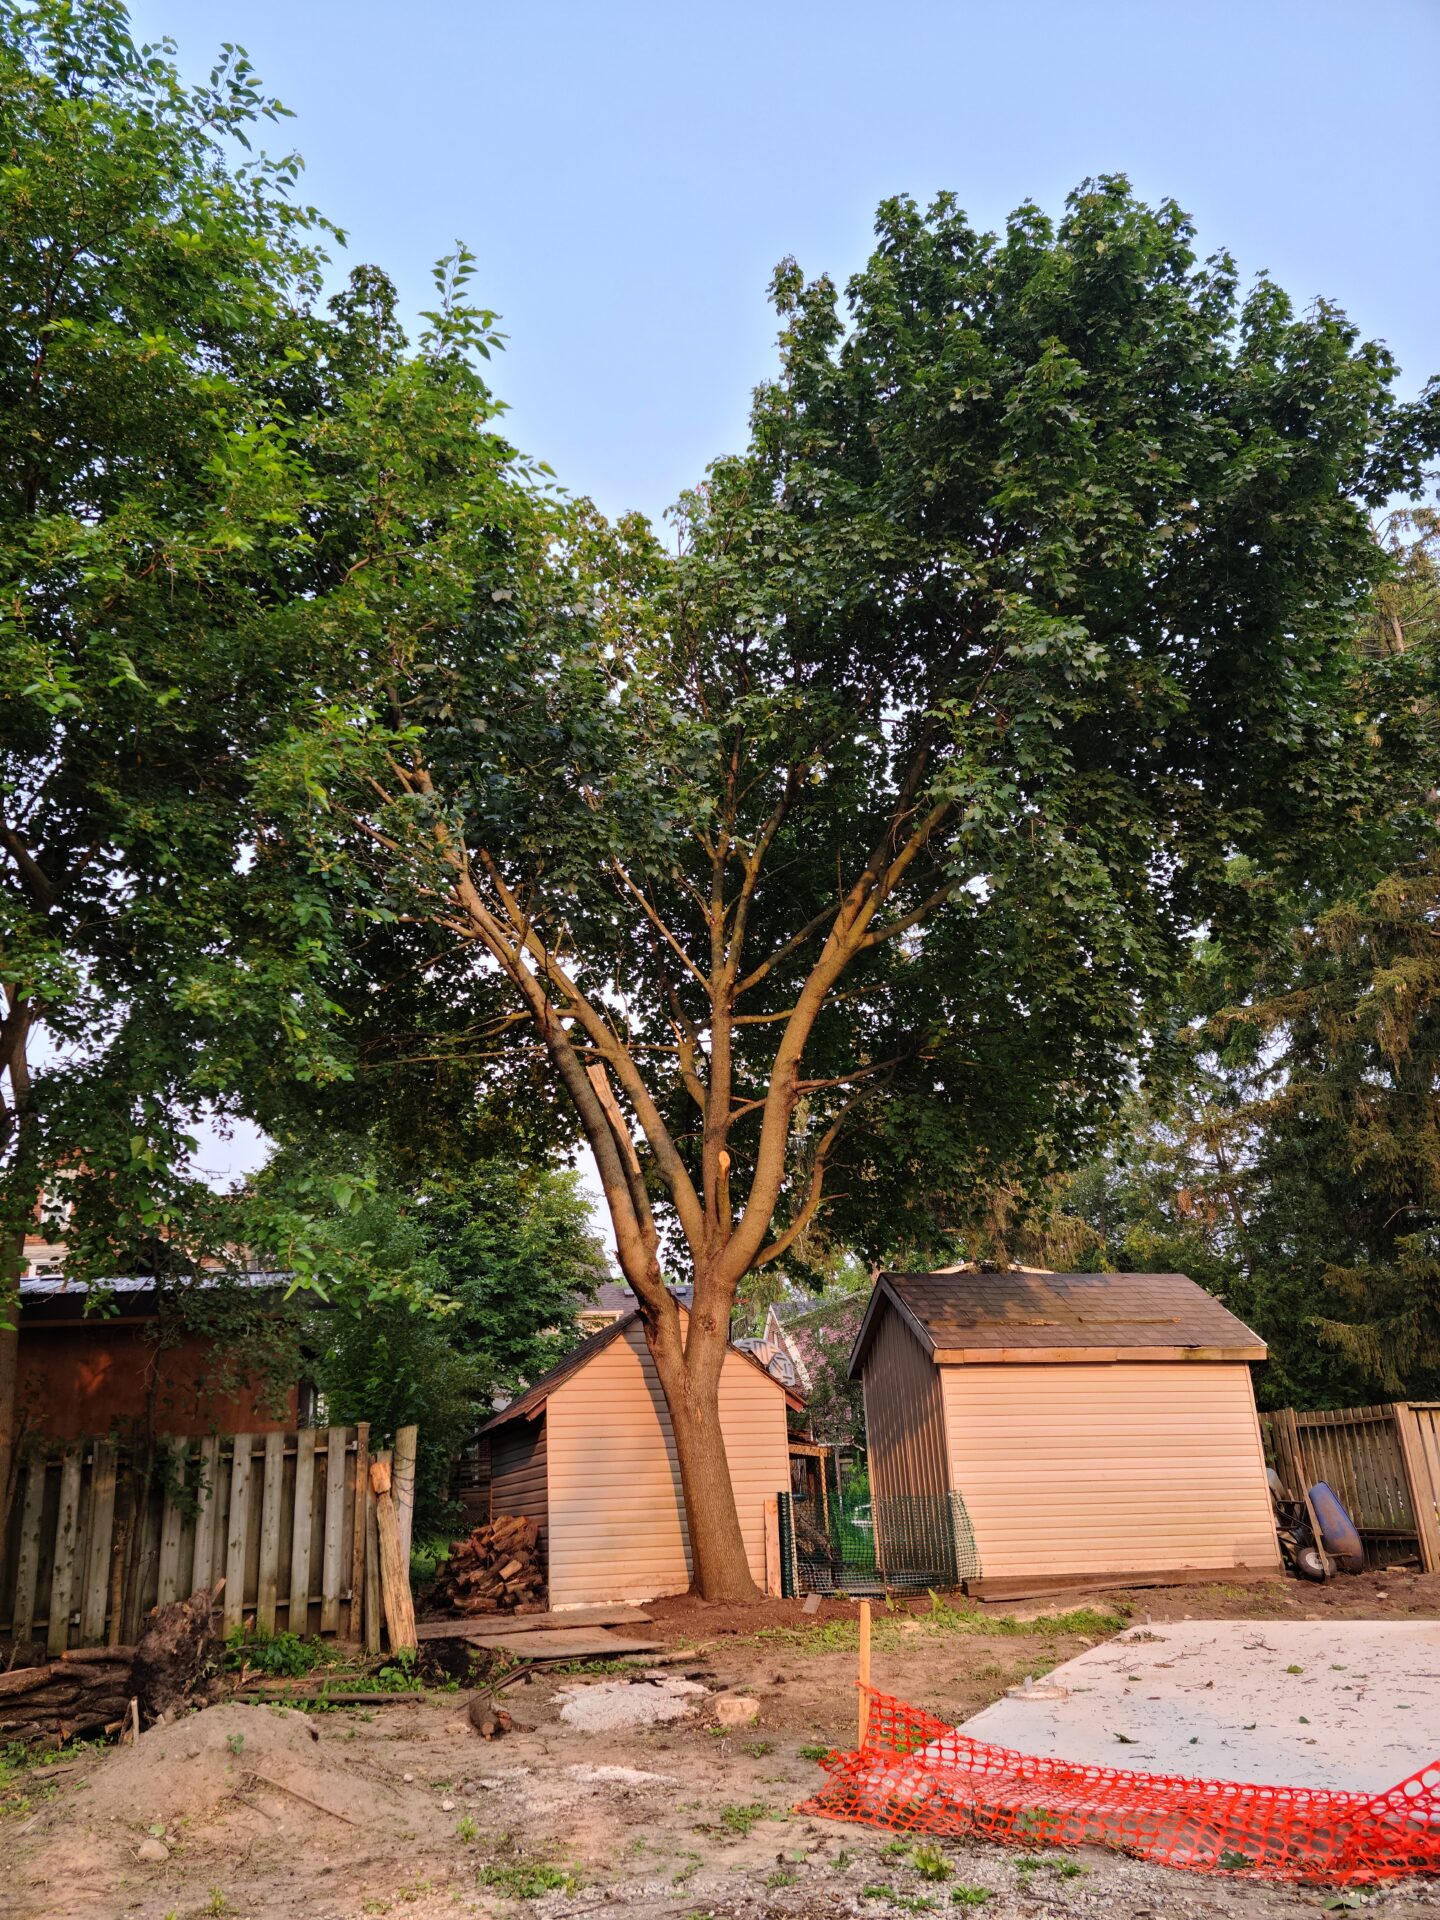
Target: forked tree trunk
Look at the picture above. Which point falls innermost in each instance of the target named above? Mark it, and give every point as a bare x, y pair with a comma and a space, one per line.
720, 1566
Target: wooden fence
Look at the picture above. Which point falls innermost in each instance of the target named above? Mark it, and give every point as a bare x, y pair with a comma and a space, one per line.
1382, 1463
100, 1533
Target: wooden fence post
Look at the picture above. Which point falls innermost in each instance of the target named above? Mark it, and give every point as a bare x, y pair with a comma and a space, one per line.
1424, 1495
864, 1689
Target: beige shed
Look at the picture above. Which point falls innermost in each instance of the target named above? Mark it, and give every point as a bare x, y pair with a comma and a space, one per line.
589, 1452
1095, 1425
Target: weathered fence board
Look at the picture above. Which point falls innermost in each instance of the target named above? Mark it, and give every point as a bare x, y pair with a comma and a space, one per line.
66, 1552
98, 1535
1383, 1464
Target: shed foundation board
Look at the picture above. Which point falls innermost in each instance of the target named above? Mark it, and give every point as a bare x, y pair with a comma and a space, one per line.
467, 1626
581, 1644
1218, 1700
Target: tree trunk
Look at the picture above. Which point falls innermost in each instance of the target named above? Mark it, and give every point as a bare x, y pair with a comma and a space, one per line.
720, 1567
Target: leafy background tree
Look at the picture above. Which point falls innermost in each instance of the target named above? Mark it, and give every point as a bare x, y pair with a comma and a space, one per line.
1290, 1160
441, 1293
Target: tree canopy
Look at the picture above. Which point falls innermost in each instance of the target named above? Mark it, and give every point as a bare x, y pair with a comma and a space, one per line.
840, 862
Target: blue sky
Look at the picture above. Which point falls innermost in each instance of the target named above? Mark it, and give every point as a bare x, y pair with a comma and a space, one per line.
629, 174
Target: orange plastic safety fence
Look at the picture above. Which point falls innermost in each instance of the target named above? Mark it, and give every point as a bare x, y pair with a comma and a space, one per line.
916, 1774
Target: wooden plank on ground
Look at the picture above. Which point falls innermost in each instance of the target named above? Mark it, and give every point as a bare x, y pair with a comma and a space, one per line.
512, 1623
172, 1526
207, 1496
301, 1528
597, 1643
270, 1492
67, 1550
355, 1624
236, 1535
27, 1557
95, 1590
332, 1577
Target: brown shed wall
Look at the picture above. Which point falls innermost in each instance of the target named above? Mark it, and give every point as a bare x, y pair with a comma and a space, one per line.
904, 1413
112, 1376
519, 1475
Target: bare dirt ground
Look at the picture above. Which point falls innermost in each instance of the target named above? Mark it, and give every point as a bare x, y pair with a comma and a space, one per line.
264, 1813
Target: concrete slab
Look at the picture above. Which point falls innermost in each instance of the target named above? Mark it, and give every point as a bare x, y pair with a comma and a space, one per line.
1351, 1704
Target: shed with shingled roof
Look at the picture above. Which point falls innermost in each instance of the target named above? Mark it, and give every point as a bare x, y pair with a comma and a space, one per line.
1095, 1428
588, 1451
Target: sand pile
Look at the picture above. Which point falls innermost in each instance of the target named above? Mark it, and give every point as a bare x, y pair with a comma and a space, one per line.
266, 1768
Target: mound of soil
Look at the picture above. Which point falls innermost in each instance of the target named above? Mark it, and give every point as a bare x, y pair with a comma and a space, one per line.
219, 1780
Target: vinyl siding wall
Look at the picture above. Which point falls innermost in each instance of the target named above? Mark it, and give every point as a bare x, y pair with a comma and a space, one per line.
904, 1413
617, 1527
519, 1481
1141, 1467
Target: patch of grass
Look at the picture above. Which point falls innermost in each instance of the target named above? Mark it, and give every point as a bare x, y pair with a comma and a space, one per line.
217, 1903
466, 1829
930, 1863
895, 1850
841, 1636
970, 1896
740, 1819
782, 1877
19, 1792
815, 1751
527, 1879
281, 1656
758, 1749
592, 1667
398, 1675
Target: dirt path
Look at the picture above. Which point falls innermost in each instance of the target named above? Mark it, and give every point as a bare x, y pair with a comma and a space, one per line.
267, 1814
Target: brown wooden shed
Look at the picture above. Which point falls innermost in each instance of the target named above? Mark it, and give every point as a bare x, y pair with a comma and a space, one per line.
589, 1452
1095, 1425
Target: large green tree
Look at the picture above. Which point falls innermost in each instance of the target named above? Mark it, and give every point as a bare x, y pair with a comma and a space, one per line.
176, 504
827, 866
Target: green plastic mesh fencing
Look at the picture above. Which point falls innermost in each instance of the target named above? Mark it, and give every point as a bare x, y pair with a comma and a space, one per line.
843, 1541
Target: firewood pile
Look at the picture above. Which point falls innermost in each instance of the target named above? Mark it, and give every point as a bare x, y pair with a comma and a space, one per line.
497, 1569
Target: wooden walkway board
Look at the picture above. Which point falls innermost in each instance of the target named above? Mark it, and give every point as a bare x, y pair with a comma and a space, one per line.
582, 1643
494, 1625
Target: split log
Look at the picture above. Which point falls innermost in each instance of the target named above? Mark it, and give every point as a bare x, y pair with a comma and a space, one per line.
66, 1698
394, 1573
